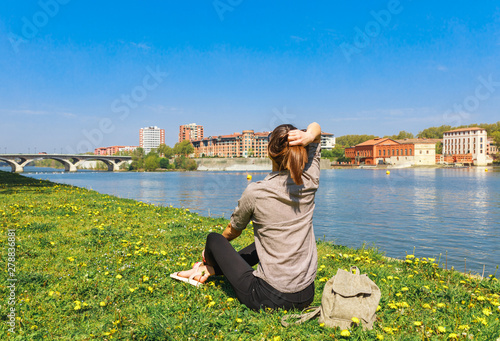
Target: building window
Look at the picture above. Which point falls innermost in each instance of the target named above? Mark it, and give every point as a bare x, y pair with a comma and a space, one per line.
406, 151
384, 152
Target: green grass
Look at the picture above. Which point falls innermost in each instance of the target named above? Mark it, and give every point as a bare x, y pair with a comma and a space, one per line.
94, 266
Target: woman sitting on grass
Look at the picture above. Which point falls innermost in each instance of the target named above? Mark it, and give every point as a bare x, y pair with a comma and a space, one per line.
281, 207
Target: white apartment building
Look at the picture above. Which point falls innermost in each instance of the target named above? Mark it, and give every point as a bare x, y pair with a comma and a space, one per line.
151, 138
466, 141
327, 141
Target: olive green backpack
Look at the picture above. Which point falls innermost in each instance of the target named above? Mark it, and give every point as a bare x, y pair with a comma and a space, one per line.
346, 295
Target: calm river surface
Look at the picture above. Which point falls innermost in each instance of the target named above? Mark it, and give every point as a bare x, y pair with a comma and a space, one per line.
432, 210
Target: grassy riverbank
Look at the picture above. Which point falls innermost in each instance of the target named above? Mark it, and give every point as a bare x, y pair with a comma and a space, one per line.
94, 266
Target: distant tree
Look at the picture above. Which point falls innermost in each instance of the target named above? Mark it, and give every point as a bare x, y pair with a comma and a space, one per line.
352, 140
138, 153
434, 132
183, 162
250, 152
165, 150
151, 161
164, 163
183, 148
343, 159
439, 147
137, 159
336, 152
496, 138
402, 135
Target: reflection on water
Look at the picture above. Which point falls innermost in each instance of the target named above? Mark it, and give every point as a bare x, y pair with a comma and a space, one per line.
432, 210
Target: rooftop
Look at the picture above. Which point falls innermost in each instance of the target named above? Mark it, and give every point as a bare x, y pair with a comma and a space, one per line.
464, 129
419, 140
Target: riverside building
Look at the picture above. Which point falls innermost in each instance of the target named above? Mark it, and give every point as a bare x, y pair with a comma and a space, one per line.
327, 141
465, 144
113, 150
244, 144
407, 152
190, 132
151, 138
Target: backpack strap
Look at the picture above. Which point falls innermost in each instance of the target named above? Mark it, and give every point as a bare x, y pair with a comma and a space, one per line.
301, 317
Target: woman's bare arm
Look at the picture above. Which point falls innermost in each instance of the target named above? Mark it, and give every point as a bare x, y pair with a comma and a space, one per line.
303, 138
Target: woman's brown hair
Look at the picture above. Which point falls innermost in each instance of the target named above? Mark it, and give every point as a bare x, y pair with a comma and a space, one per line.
293, 158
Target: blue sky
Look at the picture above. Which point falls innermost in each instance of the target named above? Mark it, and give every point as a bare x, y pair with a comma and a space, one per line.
75, 75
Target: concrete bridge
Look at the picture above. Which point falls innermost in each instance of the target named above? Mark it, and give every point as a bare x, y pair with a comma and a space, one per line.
18, 161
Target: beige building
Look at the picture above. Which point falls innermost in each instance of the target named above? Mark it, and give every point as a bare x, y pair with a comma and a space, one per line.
424, 151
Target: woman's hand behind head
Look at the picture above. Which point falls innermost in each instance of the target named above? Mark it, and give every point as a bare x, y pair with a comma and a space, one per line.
300, 138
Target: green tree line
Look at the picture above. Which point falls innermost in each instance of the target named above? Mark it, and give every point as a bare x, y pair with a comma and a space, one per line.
160, 158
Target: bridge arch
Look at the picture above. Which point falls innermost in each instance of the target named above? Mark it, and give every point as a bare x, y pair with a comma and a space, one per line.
17, 162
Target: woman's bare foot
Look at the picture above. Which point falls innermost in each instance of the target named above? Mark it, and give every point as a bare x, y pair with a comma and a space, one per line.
199, 272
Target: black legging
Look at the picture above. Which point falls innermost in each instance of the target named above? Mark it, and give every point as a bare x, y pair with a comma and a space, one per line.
250, 290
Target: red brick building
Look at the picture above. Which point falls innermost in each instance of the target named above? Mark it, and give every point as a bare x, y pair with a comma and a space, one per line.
380, 150
191, 132
113, 150
245, 144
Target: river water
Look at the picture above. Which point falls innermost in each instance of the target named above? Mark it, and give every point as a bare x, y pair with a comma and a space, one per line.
454, 213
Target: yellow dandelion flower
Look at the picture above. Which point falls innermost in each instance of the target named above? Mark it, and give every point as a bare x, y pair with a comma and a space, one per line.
211, 304
119, 276
452, 336
463, 327
345, 333
426, 306
230, 299
131, 290
323, 279
150, 289
355, 320
440, 305
321, 324
487, 312
388, 330
51, 292
102, 304
71, 259
239, 320
404, 289
380, 337
417, 323
379, 307
277, 338
441, 329
390, 277
145, 278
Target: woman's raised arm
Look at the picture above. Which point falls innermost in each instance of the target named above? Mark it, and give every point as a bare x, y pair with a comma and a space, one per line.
303, 138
